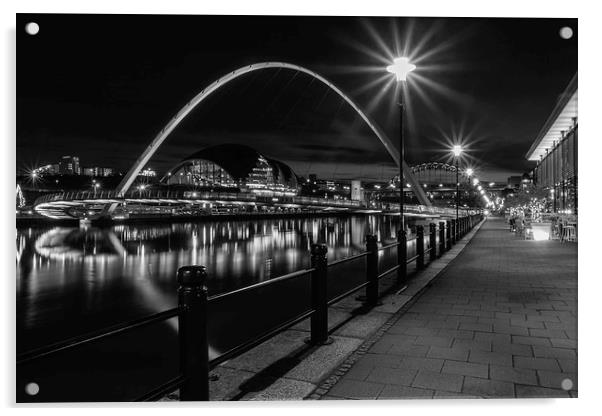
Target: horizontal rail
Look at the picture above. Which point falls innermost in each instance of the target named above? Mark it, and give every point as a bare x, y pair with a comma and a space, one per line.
428, 249
162, 390
386, 272
246, 346
345, 294
411, 259
395, 244
95, 335
343, 260
261, 284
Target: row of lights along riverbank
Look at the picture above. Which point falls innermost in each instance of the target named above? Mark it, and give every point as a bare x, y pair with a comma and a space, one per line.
401, 68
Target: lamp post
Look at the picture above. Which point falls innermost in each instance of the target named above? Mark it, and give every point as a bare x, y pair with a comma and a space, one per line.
457, 149
401, 67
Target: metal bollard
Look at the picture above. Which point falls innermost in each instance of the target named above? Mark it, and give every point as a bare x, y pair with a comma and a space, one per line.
455, 231
448, 234
402, 256
441, 238
372, 270
319, 295
420, 247
432, 241
192, 333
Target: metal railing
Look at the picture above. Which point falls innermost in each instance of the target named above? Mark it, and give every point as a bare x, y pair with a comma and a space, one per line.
194, 303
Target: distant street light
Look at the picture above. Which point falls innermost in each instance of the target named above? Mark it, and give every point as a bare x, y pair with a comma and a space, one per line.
401, 67
457, 150
469, 172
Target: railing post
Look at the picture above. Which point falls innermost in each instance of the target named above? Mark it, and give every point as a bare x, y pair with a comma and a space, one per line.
441, 238
319, 295
372, 270
402, 256
420, 246
456, 227
432, 241
192, 332
448, 237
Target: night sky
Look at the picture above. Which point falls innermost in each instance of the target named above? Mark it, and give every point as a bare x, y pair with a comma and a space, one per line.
102, 86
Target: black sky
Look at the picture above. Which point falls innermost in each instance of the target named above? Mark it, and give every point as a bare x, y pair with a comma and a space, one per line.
102, 86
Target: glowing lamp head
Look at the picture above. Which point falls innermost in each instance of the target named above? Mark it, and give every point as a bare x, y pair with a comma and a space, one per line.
457, 150
475, 181
401, 68
469, 172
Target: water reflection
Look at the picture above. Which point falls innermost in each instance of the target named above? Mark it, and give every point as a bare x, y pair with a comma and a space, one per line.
73, 280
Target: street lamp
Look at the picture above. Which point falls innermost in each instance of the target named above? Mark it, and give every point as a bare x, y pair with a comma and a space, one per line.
401, 67
457, 150
469, 172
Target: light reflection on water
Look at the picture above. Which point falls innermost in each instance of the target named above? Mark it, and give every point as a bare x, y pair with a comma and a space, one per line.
74, 280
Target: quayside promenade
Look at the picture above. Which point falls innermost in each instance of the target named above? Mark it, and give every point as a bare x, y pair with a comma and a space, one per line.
500, 322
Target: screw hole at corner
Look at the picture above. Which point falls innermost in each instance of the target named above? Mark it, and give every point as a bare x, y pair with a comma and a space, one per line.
32, 28
32, 389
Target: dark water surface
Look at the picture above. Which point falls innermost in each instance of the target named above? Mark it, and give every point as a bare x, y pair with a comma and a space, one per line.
74, 280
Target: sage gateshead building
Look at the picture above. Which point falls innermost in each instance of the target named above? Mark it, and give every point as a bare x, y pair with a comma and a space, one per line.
555, 152
234, 167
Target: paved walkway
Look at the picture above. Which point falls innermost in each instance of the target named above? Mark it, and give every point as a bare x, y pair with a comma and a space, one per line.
500, 321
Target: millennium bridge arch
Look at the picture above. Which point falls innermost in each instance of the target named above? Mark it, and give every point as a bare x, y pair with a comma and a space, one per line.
143, 159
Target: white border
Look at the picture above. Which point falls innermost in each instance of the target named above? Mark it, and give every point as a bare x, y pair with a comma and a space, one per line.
589, 188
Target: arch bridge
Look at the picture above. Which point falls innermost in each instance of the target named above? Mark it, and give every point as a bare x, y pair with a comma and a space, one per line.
127, 181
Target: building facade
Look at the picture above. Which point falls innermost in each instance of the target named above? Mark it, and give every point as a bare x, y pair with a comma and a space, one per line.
69, 165
234, 167
555, 153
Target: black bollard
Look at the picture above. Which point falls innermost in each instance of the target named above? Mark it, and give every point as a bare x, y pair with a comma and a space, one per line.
402, 256
319, 295
372, 270
420, 247
192, 333
432, 241
441, 238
